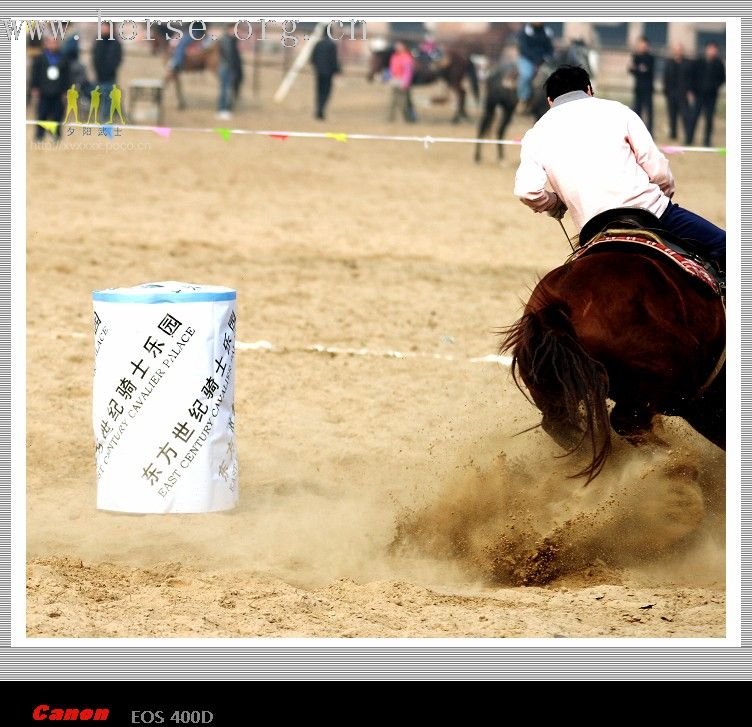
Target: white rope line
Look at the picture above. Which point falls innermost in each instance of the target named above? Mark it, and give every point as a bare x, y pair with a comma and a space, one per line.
426, 140
267, 347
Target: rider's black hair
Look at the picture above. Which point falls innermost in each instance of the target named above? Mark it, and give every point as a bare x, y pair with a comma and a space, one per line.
565, 79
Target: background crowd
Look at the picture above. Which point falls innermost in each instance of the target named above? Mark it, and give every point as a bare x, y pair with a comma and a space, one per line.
690, 85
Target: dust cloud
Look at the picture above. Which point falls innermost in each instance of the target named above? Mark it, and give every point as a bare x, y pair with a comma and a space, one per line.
514, 516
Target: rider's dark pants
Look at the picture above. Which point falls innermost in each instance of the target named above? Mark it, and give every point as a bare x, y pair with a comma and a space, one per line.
684, 223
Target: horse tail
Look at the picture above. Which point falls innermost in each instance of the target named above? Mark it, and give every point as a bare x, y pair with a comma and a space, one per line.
472, 74
548, 358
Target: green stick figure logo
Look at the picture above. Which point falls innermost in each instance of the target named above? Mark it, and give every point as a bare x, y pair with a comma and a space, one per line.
96, 95
115, 98
72, 95
116, 105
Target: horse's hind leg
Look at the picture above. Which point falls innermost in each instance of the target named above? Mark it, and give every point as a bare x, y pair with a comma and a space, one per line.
179, 90
506, 116
461, 113
712, 427
708, 417
485, 123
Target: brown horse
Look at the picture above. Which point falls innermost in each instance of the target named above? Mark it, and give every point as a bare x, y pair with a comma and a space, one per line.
624, 325
451, 68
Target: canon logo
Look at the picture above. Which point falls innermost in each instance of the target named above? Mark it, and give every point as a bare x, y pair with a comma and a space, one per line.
44, 711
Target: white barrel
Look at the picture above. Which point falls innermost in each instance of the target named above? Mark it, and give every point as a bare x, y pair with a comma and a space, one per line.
164, 383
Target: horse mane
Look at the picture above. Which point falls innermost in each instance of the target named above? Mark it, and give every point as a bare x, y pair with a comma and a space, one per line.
547, 356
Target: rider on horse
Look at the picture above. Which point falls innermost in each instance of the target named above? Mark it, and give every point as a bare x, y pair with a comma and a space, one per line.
429, 50
185, 40
534, 47
598, 155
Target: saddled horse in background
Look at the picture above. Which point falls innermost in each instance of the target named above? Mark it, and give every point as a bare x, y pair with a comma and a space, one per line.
200, 56
627, 325
501, 90
501, 93
452, 68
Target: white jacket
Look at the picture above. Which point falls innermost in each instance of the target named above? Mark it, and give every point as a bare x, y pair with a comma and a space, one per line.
596, 155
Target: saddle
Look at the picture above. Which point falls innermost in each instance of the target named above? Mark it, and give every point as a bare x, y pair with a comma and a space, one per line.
627, 227
430, 63
194, 49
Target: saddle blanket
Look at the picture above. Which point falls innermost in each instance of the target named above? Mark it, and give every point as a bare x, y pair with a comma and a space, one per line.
645, 238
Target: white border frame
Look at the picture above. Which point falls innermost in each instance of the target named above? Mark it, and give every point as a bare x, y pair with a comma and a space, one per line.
733, 638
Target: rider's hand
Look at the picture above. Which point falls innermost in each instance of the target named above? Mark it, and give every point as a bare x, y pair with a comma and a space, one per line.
558, 210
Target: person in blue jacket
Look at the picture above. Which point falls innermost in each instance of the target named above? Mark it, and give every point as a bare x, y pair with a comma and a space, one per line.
534, 46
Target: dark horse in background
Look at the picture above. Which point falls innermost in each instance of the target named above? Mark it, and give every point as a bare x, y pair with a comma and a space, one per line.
452, 68
624, 325
501, 93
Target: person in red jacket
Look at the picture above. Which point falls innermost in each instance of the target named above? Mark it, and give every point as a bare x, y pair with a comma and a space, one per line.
401, 69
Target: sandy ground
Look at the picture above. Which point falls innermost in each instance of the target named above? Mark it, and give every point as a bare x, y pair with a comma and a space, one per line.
379, 497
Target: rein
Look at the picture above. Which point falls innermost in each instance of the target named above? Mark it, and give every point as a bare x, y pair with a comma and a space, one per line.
569, 239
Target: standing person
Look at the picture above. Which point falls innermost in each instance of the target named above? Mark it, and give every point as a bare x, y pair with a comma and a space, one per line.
230, 72
708, 77
107, 55
33, 49
598, 155
401, 68
643, 70
50, 79
325, 64
534, 46
677, 81
71, 51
